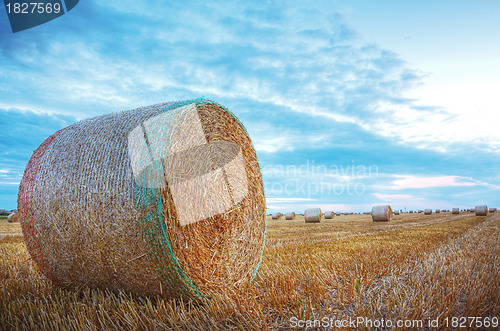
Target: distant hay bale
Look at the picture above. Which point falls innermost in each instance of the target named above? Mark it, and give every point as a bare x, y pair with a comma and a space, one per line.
277, 216
455, 210
427, 211
396, 212
290, 215
382, 213
13, 218
420, 211
312, 215
481, 210
438, 211
492, 210
165, 200
411, 211
329, 214
337, 214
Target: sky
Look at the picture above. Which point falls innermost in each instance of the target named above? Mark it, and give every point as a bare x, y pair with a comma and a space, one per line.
349, 104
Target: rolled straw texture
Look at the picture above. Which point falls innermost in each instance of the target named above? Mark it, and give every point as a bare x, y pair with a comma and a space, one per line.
13, 218
427, 211
382, 213
481, 210
455, 210
329, 214
290, 215
162, 200
312, 215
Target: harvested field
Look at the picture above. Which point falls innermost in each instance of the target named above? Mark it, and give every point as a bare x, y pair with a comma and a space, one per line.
416, 268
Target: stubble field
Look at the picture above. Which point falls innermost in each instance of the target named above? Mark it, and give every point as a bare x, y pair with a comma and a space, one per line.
416, 272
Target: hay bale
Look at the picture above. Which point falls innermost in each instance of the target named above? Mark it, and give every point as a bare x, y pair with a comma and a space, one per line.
455, 210
382, 213
438, 211
163, 200
329, 214
396, 212
411, 211
337, 214
427, 211
481, 210
492, 210
13, 218
277, 216
290, 215
313, 215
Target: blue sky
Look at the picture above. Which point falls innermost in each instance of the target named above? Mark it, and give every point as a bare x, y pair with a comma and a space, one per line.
349, 103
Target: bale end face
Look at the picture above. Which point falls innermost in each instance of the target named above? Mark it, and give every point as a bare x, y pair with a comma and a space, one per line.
428, 212
290, 216
455, 210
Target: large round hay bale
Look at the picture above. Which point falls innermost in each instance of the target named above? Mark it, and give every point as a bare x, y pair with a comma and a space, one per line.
312, 215
13, 218
163, 200
329, 214
290, 215
481, 210
427, 211
382, 213
277, 216
455, 210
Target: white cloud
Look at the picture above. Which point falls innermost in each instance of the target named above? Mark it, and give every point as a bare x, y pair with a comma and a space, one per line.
272, 138
411, 182
279, 200
392, 197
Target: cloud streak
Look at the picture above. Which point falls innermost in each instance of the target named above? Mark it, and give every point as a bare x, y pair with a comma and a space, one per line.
421, 182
